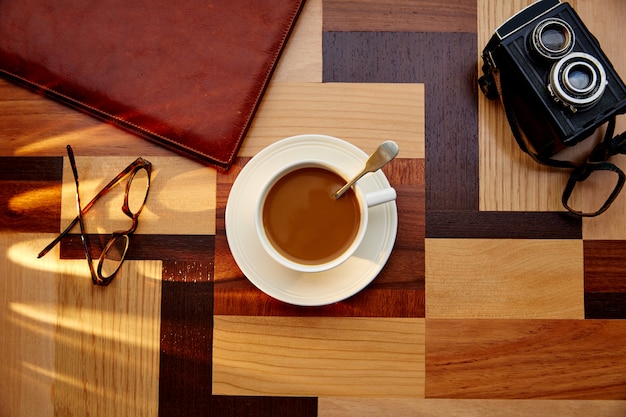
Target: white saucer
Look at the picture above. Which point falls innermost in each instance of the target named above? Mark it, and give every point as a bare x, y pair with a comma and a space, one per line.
307, 289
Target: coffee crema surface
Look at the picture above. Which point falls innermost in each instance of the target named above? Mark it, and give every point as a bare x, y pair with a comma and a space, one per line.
304, 222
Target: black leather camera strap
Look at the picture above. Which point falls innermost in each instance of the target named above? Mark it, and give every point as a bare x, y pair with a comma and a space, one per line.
597, 160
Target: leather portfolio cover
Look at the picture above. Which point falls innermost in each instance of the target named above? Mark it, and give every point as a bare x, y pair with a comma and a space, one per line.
188, 75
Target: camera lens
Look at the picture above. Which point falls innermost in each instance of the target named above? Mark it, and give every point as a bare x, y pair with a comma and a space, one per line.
552, 38
580, 77
578, 81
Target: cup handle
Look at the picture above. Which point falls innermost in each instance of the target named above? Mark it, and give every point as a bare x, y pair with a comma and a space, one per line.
381, 196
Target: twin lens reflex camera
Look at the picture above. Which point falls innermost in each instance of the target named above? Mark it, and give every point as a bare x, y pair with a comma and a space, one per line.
556, 84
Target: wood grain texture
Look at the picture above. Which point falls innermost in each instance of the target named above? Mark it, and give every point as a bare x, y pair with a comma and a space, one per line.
249, 406
604, 269
400, 16
145, 247
398, 291
30, 193
502, 225
366, 113
318, 356
186, 333
301, 61
524, 359
181, 198
28, 311
605, 279
605, 305
106, 357
505, 279
452, 197
363, 407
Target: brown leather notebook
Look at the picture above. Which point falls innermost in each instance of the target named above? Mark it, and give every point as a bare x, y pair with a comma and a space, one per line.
188, 75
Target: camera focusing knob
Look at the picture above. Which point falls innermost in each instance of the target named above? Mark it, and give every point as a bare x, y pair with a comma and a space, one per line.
559, 101
487, 82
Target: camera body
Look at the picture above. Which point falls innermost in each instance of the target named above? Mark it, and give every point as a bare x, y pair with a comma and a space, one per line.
556, 83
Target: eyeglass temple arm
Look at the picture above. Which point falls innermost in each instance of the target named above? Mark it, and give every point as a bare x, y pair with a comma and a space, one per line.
100, 194
83, 232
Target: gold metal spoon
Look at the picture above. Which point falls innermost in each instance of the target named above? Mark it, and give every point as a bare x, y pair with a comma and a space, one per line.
385, 153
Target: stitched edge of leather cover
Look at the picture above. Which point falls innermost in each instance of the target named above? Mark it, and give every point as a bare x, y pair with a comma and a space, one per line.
187, 76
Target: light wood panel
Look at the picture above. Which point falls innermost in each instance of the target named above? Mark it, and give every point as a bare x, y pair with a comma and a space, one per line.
301, 60
181, 199
28, 307
107, 341
363, 407
509, 278
318, 356
365, 113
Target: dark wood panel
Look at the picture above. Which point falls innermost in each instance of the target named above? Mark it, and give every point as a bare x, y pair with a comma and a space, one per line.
226, 406
502, 225
605, 270
605, 305
186, 339
405, 268
30, 193
145, 247
246, 300
605, 279
567, 359
400, 15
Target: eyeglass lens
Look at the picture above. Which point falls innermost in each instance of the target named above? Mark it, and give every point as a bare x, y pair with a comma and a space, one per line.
137, 190
113, 255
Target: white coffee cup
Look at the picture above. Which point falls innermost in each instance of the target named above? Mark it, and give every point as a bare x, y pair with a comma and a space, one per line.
364, 200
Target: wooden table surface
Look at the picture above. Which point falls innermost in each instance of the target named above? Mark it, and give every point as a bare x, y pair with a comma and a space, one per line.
493, 303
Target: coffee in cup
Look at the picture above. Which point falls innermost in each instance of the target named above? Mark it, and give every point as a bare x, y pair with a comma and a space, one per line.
303, 227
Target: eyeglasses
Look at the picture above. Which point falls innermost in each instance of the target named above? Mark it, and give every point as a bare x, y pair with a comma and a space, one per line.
135, 196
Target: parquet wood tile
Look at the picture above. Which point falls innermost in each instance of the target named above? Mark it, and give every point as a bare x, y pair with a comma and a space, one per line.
560, 359
399, 16
367, 113
186, 338
321, 357
505, 279
106, 351
30, 191
339, 407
